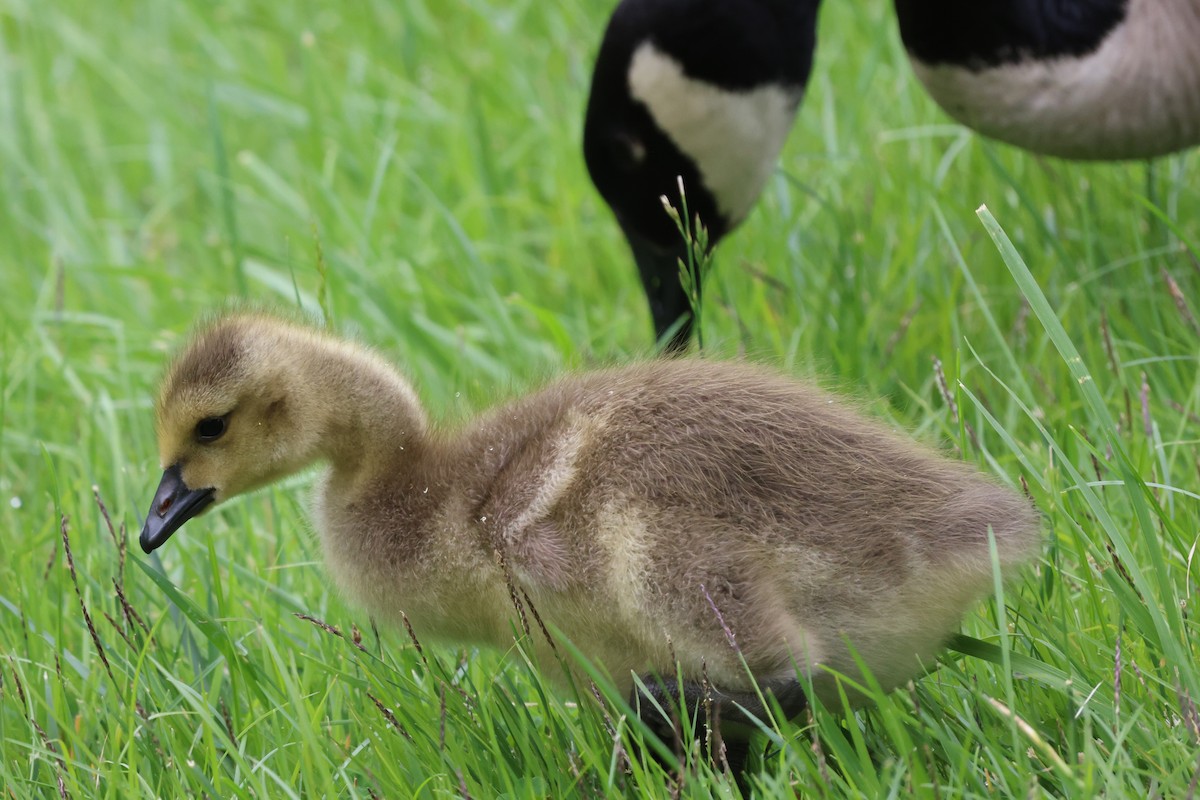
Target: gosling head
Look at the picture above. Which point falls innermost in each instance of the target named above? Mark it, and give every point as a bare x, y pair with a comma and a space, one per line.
228, 420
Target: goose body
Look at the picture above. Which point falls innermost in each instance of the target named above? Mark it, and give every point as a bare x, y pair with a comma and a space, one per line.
649, 512
1080, 79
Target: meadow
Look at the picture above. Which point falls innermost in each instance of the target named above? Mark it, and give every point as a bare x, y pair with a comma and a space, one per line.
410, 173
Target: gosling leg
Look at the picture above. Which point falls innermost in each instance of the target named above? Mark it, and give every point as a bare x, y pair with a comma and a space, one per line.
733, 713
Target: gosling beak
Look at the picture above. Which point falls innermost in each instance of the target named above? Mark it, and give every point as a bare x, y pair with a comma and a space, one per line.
174, 504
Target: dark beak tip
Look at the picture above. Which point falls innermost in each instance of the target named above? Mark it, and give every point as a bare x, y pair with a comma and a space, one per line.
146, 540
174, 504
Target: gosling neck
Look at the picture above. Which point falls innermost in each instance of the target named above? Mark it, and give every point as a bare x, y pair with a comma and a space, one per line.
366, 411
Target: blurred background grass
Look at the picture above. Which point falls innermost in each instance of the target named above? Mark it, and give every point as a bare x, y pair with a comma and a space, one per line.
411, 172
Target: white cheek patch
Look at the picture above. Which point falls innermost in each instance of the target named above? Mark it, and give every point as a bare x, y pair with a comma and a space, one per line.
733, 137
1136, 96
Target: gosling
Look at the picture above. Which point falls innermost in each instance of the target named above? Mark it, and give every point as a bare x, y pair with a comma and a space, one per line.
670, 518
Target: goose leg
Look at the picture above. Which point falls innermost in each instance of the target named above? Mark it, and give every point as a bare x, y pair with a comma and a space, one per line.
733, 713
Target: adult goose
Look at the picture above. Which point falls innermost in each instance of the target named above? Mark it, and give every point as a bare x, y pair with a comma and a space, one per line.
706, 90
656, 514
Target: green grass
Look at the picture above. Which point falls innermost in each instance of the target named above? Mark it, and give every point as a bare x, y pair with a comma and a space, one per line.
411, 171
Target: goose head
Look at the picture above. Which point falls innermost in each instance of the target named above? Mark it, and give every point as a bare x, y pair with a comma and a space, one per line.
698, 93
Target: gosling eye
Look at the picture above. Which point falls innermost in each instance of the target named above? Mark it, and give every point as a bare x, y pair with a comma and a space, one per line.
210, 429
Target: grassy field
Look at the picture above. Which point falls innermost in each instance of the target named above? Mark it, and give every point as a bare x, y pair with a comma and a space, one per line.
410, 170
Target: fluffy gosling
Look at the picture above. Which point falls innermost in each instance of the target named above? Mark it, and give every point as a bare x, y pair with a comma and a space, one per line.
648, 511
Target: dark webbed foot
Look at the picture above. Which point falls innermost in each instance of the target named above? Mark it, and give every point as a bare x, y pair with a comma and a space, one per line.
721, 717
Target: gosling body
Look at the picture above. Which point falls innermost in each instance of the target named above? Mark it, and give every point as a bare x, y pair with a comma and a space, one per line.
679, 511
